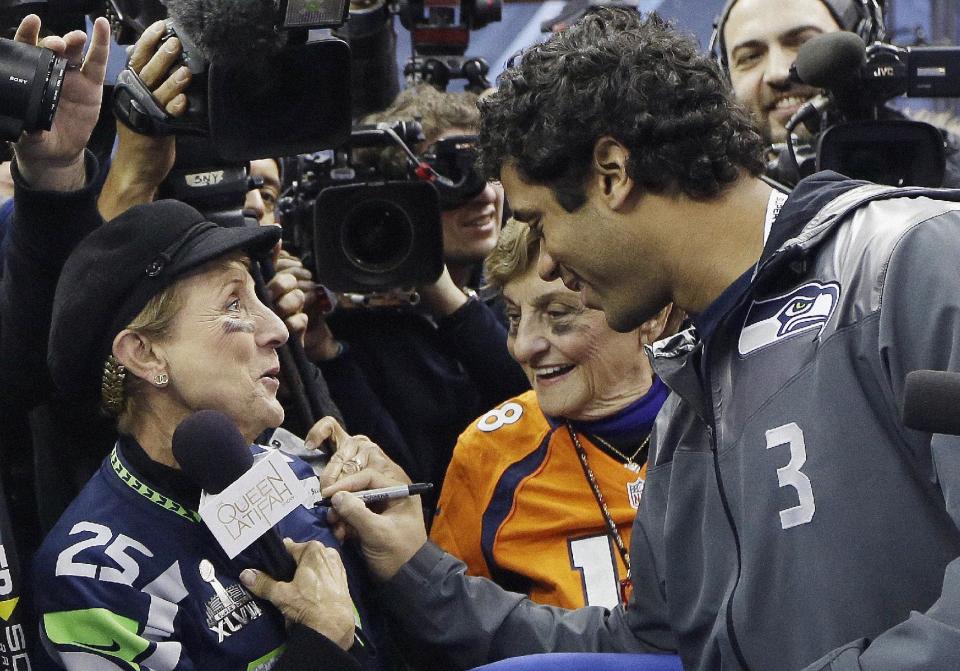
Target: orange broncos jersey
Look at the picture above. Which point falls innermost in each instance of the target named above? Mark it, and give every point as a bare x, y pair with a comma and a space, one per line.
516, 507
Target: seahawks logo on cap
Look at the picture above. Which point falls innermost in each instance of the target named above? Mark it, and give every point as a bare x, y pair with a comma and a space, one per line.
804, 309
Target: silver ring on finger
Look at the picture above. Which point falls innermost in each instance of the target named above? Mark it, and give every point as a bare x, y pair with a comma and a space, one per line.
352, 466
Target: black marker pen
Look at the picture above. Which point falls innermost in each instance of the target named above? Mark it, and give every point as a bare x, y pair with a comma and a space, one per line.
369, 496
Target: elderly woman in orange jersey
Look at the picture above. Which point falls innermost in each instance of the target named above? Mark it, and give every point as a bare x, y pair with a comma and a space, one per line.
542, 490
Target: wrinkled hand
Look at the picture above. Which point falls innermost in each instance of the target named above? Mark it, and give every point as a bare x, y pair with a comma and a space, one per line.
388, 537
351, 454
318, 596
142, 162
53, 159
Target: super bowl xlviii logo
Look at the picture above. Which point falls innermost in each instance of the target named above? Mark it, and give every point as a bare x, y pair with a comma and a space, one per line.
804, 309
230, 608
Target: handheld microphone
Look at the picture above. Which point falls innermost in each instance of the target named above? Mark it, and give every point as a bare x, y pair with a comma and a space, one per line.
931, 401
213, 453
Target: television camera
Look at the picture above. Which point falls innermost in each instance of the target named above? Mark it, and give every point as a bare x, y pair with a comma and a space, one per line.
360, 228
857, 135
365, 223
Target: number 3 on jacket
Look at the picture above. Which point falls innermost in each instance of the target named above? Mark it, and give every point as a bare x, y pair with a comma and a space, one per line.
791, 475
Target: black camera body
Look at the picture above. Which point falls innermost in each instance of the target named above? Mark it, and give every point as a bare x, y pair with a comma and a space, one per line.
285, 95
58, 16
260, 87
216, 188
356, 228
858, 135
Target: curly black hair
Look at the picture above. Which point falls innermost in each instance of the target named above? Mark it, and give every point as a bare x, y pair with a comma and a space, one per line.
616, 73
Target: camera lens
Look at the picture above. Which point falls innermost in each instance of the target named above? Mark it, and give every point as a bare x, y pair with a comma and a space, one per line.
29, 88
377, 236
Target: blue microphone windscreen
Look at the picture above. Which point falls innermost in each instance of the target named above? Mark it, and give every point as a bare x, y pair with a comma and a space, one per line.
211, 450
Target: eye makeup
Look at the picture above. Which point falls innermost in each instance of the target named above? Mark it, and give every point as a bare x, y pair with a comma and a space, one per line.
238, 325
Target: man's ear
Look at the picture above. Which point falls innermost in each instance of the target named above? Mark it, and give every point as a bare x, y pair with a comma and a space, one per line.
613, 181
664, 324
139, 356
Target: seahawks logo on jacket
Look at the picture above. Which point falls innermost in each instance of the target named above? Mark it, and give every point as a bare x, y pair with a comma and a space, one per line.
804, 309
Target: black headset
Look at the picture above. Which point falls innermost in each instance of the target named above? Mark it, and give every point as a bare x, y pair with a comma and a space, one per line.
863, 17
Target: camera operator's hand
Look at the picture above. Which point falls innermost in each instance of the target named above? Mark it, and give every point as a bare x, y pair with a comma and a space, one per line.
443, 297
142, 162
286, 262
318, 340
289, 299
53, 160
318, 596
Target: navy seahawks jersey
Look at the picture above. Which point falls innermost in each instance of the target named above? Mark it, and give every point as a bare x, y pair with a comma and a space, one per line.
131, 579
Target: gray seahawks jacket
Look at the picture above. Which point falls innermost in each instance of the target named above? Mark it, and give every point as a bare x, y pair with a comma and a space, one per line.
789, 520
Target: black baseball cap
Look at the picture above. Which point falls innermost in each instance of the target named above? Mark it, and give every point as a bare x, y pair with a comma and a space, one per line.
115, 271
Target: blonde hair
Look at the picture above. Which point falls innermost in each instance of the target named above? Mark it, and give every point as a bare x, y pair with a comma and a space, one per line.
119, 391
516, 251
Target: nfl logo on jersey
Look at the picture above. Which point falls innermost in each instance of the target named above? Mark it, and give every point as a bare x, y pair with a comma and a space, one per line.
634, 491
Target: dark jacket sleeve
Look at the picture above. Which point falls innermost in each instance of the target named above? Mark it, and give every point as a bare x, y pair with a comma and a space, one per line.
476, 338
308, 650
470, 620
361, 407
46, 227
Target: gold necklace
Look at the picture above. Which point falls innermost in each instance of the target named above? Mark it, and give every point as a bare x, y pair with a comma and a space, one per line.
629, 462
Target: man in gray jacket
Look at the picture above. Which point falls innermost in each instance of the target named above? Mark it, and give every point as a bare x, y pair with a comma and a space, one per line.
789, 520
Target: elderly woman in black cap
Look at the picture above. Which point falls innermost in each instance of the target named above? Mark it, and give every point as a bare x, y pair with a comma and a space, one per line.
156, 313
